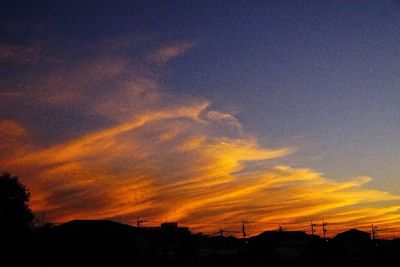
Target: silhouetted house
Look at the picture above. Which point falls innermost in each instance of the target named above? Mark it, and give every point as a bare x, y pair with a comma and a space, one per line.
86, 239
169, 225
284, 244
173, 227
386, 249
104, 240
218, 246
167, 232
162, 241
355, 242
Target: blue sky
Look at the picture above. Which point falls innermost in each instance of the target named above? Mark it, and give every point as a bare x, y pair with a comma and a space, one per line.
319, 77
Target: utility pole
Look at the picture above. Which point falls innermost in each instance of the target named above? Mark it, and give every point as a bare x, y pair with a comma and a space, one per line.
138, 222
313, 227
244, 230
373, 231
324, 229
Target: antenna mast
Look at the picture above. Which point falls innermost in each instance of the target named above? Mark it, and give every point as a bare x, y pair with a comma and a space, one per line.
324, 229
138, 222
313, 227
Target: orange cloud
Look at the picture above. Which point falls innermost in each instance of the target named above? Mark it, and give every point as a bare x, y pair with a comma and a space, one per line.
128, 170
11, 129
12, 138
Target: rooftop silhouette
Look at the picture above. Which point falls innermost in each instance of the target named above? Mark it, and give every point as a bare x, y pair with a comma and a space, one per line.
109, 243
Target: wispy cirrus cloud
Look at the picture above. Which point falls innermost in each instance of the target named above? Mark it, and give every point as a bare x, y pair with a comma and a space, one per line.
20, 54
223, 117
12, 129
169, 52
130, 169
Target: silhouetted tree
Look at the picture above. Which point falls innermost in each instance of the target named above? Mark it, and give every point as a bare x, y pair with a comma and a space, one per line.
15, 215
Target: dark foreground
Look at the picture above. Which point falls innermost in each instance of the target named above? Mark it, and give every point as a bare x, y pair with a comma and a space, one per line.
106, 243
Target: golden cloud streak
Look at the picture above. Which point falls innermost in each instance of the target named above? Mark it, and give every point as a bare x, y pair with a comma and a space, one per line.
132, 169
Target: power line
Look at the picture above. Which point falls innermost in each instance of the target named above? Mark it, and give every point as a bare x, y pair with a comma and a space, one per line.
390, 227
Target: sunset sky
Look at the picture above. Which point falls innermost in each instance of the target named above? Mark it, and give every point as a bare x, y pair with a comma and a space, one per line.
205, 112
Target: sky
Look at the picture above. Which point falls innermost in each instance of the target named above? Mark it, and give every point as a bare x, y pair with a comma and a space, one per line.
204, 112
